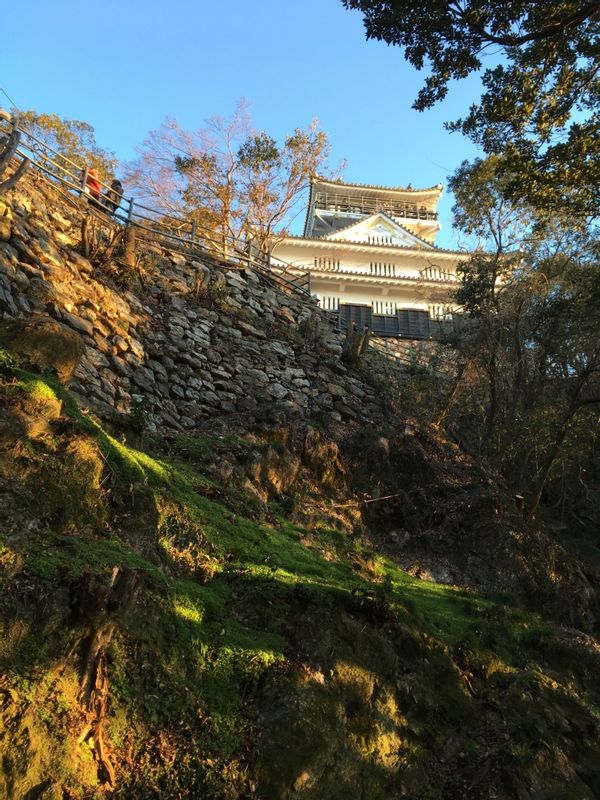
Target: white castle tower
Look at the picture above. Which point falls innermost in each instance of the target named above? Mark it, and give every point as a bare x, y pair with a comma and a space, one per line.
371, 256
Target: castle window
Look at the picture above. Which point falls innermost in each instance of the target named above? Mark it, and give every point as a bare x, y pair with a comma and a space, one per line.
386, 307
329, 302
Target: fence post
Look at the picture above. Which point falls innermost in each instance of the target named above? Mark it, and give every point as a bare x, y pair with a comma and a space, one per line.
193, 230
84, 177
15, 177
129, 249
10, 148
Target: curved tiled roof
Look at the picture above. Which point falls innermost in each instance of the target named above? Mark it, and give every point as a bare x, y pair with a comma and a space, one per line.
318, 179
366, 276
322, 241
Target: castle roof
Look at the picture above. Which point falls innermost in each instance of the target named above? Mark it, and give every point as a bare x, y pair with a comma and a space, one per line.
319, 181
367, 222
329, 244
346, 192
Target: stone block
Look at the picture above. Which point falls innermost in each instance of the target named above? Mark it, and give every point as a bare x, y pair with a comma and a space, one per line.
277, 391
157, 368
44, 343
250, 330
136, 347
121, 366
144, 378
336, 390
79, 324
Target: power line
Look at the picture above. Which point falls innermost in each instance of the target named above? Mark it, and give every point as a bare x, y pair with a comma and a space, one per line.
9, 98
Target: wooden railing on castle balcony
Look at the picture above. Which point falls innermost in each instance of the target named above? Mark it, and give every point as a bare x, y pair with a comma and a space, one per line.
404, 323
352, 204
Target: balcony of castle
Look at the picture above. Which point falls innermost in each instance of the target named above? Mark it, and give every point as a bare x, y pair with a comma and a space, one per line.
363, 205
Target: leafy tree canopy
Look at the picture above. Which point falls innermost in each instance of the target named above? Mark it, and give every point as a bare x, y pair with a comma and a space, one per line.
539, 106
530, 353
231, 178
72, 139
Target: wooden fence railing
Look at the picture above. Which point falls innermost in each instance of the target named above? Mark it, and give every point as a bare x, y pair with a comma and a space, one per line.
176, 231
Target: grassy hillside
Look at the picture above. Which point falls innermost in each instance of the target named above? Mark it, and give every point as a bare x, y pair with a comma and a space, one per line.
193, 617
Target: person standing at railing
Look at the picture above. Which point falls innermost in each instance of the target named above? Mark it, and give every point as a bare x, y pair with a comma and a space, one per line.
112, 198
92, 184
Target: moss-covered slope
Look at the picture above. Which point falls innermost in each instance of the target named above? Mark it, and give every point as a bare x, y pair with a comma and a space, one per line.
169, 631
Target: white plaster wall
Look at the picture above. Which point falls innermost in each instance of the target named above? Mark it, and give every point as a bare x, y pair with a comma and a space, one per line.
393, 297
385, 295
351, 261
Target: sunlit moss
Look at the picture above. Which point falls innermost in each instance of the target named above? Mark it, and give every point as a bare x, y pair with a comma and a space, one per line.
38, 389
185, 608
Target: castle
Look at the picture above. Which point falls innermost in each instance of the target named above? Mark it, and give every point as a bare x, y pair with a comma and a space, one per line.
371, 256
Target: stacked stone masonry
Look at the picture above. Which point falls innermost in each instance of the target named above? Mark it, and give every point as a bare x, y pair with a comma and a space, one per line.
189, 342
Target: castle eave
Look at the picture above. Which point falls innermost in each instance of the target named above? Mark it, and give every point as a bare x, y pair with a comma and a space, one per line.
383, 280
342, 246
430, 191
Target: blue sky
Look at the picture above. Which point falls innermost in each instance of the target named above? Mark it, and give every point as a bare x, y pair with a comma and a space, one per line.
124, 66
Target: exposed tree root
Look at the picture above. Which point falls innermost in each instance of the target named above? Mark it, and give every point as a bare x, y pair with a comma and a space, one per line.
100, 606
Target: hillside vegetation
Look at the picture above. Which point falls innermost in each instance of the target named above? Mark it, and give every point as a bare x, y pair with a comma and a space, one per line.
214, 610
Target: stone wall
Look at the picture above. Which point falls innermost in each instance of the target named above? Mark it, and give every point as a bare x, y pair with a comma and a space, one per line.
406, 350
183, 339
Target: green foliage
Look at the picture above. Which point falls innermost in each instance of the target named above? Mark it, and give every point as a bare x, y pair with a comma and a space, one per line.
260, 150
214, 295
255, 646
72, 139
538, 109
531, 351
529, 380
7, 362
481, 209
140, 414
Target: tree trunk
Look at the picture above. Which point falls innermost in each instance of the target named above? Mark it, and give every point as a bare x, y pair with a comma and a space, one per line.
87, 235
355, 344
451, 396
100, 606
16, 176
534, 496
491, 412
